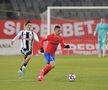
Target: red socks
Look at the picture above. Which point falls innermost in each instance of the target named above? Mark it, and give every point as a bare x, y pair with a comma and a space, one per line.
46, 69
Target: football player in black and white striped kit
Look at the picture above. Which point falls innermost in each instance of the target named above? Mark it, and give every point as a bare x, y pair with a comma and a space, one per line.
27, 37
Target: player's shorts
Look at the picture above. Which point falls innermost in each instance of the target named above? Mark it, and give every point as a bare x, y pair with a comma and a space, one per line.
26, 52
101, 40
49, 58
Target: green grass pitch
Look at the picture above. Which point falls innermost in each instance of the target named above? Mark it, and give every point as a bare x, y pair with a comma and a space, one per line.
91, 72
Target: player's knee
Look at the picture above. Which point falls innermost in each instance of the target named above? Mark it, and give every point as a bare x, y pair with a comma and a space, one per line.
28, 54
52, 64
28, 57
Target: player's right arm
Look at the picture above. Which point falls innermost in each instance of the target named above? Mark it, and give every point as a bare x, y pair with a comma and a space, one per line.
96, 29
42, 42
16, 37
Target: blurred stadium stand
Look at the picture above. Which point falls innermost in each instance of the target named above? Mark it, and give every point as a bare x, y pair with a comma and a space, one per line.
31, 9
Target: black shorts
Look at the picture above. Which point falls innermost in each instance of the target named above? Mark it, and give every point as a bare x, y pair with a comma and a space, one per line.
26, 52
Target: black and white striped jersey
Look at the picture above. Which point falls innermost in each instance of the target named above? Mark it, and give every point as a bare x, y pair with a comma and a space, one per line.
27, 38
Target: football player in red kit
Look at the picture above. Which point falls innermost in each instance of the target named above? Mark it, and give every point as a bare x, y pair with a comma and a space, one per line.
53, 41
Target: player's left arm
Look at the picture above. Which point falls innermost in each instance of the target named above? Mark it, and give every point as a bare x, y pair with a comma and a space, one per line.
63, 44
35, 37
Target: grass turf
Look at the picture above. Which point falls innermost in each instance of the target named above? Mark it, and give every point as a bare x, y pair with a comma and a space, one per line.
91, 72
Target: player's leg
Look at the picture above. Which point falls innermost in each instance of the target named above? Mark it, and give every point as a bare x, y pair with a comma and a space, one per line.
49, 67
50, 64
99, 46
99, 49
104, 47
25, 62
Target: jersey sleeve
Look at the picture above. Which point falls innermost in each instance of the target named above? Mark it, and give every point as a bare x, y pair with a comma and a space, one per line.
35, 37
96, 29
62, 43
17, 36
42, 42
44, 39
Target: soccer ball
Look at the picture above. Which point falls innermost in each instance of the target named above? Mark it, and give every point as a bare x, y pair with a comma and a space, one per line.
71, 77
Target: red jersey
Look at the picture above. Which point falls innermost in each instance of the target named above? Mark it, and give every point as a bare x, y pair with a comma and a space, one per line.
53, 42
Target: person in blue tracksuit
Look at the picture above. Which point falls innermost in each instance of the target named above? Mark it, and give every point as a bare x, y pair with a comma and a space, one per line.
102, 30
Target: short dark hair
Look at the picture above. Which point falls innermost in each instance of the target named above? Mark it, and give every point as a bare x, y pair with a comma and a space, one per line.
27, 22
57, 26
